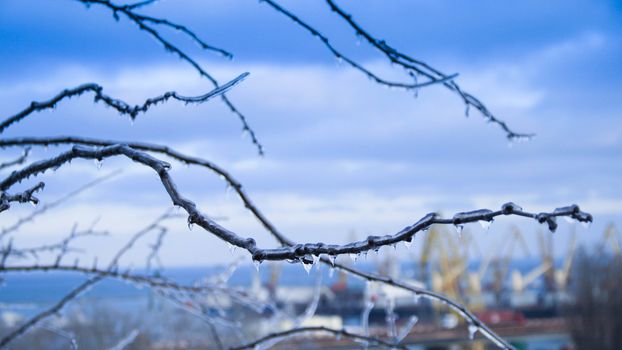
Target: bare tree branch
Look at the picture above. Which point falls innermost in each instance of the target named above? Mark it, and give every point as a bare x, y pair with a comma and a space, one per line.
46, 207
17, 161
290, 251
112, 267
413, 67
26, 196
320, 329
142, 22
121, 106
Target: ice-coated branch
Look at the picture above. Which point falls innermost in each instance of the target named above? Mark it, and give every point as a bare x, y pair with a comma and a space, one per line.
143, 24
112, 268
415, 66
17, 161
289, 251
419, 292
119, 105
49, 312
321, 330
43, 208
412, 67
61, 247
26, 196
128, 10
125, 341
340, 56
69, 336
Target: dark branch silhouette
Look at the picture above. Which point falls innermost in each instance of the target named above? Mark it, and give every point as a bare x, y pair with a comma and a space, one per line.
412, 67
119, 105
143, 23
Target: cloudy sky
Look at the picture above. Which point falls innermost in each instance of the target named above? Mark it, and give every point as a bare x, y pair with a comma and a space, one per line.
344, 157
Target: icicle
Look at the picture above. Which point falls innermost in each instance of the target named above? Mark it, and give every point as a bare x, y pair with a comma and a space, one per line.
231, 248
190, 225
353, 257
485, 224
331, 272
408, 244
256, 263
306, 265
332, 259
459, 229
98, 163
316, 258
472, 330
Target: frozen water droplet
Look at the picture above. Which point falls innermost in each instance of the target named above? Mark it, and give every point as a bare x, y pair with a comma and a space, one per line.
306, 265
416, 298
228, 190
568, 219
316, 258
231, 248
98, 163
256, 263
332, 259
586, 224
190, 224
459, 229
331, 272
353, 257
472, 330
34, 202
485, 224
408, 244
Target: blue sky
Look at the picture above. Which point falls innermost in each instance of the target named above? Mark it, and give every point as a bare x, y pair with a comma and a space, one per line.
342, 154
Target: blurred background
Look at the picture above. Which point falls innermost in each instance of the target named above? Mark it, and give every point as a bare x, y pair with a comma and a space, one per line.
344, 158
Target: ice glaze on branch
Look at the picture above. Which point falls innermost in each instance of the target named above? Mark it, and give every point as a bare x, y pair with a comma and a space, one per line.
41, 209
413, 67
81, 288
161, 149
340, 56
320, 329
17, 161
142, 22
26, 196
119, 105
288, 251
